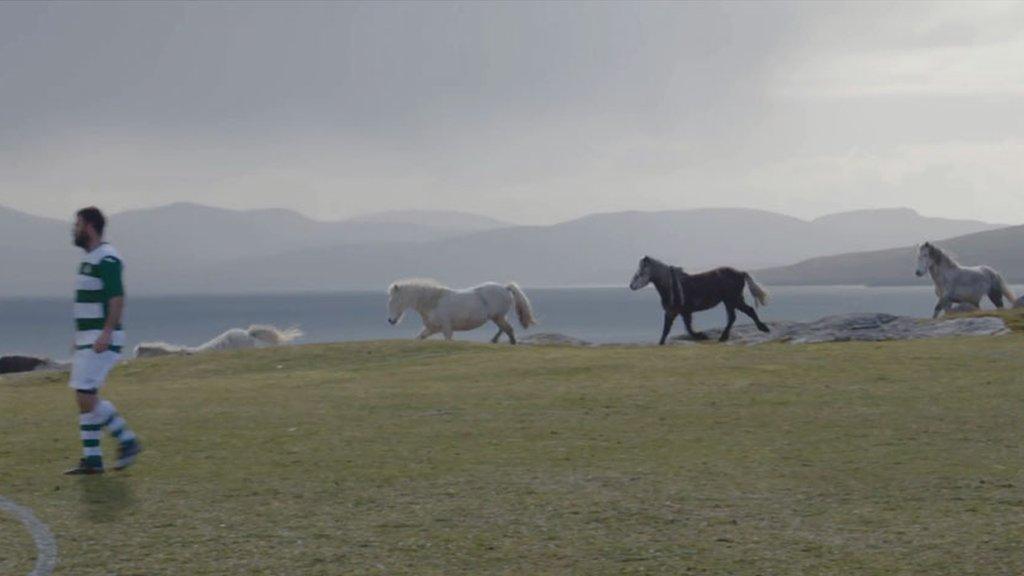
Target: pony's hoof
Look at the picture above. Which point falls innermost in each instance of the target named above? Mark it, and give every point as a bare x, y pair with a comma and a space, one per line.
723, 338
763, 328
700, 336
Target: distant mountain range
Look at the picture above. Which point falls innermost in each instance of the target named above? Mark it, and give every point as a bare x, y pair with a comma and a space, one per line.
189, 248
180, 238
1002, 249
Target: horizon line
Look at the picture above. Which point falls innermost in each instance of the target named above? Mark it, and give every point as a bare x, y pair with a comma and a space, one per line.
508, 223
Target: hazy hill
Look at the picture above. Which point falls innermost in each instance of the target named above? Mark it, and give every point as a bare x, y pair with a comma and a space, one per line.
599, 249
1000, 249
216, 233
167, 241
18, 229
448, 220
193, 248
889, 227
36, 255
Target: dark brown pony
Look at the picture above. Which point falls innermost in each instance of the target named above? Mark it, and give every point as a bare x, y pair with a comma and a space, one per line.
683, 294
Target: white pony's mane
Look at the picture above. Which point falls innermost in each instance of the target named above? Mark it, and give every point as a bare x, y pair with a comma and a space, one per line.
415, 283
419, 292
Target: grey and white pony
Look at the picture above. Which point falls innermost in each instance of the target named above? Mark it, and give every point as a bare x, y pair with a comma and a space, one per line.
255, 336
956, 284
447, 310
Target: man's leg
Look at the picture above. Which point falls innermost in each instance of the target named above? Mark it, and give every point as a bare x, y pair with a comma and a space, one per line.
90, 430
128, 445
114, 422
88, 374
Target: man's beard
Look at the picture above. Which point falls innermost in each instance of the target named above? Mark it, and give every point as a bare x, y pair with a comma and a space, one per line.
81, 240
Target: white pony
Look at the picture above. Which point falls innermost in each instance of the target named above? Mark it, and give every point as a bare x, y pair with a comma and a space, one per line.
956, 284
446, 310
255, 336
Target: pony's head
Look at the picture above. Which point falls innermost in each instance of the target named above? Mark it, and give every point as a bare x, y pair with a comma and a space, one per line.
925, 258
643, 274
419, 293
397, 303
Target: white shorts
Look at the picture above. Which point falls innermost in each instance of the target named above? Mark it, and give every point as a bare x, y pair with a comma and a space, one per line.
89, 370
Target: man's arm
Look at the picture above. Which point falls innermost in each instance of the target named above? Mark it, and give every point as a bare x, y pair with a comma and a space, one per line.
115, 306
110, 272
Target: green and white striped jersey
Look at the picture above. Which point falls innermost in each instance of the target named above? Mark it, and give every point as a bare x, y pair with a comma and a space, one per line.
99, 280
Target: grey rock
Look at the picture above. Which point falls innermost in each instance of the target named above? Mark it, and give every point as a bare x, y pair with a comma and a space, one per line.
872, 327
1019, 302
863, 327
17, 364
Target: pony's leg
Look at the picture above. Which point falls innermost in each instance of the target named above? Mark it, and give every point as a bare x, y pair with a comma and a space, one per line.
688, 321
730, 312
497, 336
507, 329
448, 332
749, 311
941, 305
670, 317
426, 333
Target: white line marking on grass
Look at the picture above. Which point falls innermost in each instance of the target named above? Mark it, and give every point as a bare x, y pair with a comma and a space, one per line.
46, 546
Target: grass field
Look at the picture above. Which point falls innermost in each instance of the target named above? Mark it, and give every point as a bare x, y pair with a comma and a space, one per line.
434, 458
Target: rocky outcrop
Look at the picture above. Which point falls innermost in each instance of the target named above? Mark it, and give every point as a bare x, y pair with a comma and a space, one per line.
844, 328
17, 364
863, 327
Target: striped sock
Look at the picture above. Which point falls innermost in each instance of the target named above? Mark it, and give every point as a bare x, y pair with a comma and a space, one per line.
114, 423
90, 429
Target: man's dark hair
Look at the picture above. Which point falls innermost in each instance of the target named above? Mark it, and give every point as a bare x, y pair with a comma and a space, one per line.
94, 217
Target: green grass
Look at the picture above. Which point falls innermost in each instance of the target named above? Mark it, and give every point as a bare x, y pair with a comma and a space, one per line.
1013, 317
435, 458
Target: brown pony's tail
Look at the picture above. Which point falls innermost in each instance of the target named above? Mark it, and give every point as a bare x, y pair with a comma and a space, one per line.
759, 294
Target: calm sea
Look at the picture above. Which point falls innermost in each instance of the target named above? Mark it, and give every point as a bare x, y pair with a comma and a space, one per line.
43, 327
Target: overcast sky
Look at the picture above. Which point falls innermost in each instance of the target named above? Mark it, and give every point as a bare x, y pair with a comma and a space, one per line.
532, 113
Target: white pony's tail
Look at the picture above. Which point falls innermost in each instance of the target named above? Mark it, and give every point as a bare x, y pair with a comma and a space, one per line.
759, 294
152, 349
271, 335
523, 309
1003, 288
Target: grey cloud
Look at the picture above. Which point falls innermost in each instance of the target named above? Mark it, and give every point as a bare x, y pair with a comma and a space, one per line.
529, 111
